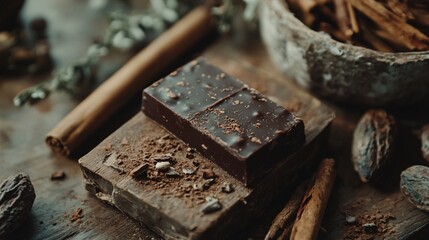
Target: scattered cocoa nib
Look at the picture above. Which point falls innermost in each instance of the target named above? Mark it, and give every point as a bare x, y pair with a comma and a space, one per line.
373, 143
227, 188
208, 173
188, 171
58, 175
425, 142
78, 214
140, 170
207, 183
212, 205
16, 199
370, 227
255, 140
372, 224
415, 186
172, 172
195, 163
163, 166
168, 157
190, 150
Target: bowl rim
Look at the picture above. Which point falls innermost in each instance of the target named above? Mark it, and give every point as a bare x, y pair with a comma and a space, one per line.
398, 56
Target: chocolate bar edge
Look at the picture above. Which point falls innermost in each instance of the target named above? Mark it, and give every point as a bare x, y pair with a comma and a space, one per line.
248, 171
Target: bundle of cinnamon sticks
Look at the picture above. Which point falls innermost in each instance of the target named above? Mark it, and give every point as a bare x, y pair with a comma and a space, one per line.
383, 25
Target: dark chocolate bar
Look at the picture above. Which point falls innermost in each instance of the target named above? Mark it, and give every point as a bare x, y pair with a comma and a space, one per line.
235, 126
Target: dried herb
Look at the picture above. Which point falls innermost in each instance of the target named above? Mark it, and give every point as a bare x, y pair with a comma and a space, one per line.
225, 12
16, 199
124, 32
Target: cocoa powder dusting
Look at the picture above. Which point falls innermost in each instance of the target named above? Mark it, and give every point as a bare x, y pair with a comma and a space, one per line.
366, 225
193, 180
76, 215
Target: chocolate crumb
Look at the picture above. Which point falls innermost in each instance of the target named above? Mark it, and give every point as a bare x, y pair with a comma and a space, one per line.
58, 175
207, 183
190, 155
174, 73
172, 95
196, 164
208, 173
188, 171
168, 157
255, 140
172, 172
140, 170
191, 150
227, 188
163, 166
370, 227
76, 215
366, 224
212, 205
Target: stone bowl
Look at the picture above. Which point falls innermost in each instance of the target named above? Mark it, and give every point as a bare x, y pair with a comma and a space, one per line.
338, 71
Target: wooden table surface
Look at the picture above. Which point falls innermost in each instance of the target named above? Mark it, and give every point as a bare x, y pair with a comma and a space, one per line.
72, 27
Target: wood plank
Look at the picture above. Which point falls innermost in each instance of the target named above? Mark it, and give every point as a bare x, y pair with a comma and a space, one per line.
71, 29
174, 212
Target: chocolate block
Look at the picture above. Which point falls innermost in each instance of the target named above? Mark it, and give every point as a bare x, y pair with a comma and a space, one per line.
226, 121
172, 206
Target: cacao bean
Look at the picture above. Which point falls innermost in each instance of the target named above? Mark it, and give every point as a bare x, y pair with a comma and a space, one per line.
373, 143
415, 186
425, 142
16, 199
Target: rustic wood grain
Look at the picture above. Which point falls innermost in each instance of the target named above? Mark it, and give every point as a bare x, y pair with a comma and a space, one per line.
176, 217
71, 28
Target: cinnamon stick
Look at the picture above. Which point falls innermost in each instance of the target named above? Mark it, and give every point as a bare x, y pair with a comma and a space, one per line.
353, 19
373, 40
90, 115
393, 42
411, 37
282, 223
400, 9
343, 18
310, 214
333, 32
